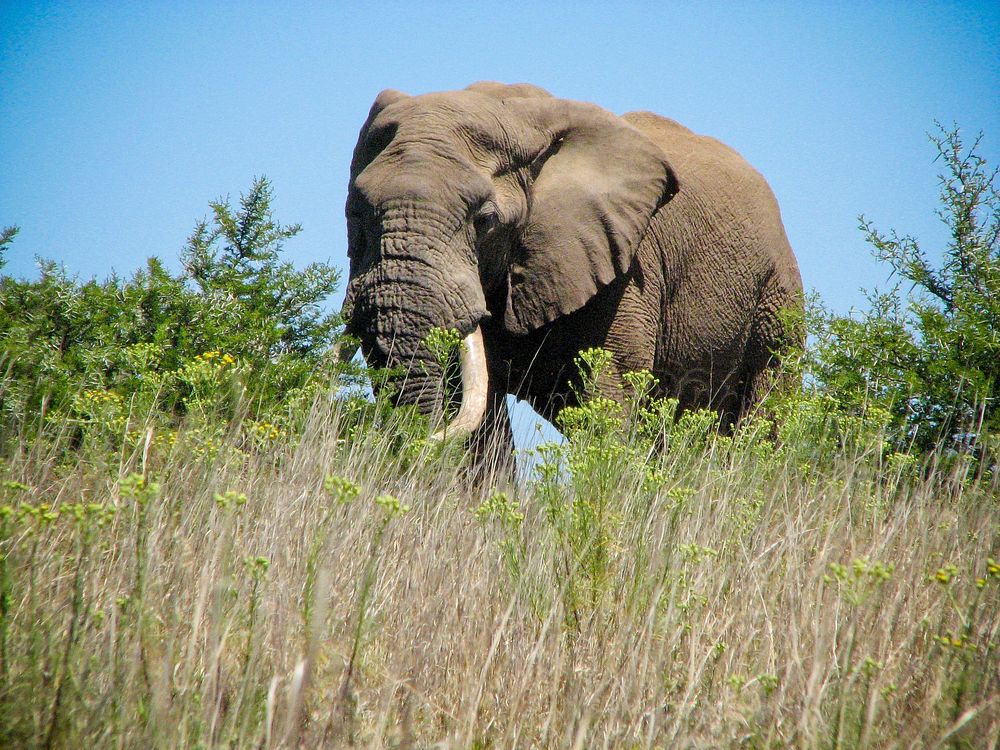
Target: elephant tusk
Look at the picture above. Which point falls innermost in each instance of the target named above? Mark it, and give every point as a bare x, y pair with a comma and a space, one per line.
475, 380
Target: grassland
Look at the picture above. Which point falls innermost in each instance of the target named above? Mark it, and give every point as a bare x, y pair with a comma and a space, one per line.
339, 583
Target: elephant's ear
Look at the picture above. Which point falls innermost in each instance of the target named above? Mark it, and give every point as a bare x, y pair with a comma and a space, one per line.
598, 184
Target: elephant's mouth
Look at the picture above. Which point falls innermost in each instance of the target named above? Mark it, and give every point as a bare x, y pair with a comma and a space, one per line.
395, 336
423, 385
473, 370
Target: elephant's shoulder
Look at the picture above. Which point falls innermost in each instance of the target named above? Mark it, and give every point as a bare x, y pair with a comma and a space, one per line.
650, 122
695, 158
671, 136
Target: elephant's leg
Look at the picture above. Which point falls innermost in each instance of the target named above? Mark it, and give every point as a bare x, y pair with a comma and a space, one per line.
758, 385
493, 443
769, 339
708, 382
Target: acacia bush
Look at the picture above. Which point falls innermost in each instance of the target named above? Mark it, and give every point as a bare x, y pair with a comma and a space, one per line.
237, 314
927, 351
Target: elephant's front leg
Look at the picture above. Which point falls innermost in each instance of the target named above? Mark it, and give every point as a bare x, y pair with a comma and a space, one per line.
492, 444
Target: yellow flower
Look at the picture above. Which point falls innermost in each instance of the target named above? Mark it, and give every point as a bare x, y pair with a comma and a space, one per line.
946, 574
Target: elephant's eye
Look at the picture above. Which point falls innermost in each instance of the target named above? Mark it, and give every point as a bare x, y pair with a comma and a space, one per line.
486, 219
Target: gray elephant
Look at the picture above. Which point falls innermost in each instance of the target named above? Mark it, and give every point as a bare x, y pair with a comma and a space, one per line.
538, 227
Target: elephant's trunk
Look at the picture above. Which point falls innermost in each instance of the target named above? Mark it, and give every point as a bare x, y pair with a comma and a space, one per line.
424, 276
475, 384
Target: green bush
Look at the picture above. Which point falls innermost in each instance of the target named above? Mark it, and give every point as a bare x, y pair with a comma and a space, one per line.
928, 350
238, 327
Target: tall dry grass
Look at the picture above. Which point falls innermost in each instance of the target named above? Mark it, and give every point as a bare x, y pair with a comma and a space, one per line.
346, 587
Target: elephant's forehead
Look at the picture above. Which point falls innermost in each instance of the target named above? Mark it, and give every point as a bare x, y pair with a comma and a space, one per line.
460, 113
456, 105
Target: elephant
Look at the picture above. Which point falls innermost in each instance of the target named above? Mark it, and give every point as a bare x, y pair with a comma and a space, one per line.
538, 227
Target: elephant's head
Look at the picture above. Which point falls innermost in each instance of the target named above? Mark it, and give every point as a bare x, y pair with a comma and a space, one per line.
496, 203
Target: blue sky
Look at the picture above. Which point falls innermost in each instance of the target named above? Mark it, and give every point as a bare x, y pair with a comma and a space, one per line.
119, 121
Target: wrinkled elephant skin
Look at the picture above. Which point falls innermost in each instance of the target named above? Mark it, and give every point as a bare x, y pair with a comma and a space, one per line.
540, 227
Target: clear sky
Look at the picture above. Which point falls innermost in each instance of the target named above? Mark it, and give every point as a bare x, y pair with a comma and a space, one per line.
119, 121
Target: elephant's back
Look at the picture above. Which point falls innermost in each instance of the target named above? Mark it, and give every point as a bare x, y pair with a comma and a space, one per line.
723, 201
